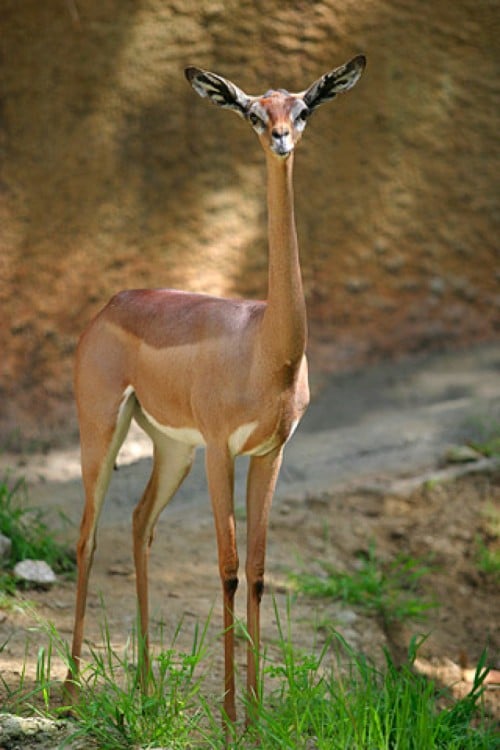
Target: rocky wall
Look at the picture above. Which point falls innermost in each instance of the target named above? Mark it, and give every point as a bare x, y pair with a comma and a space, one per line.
114, 174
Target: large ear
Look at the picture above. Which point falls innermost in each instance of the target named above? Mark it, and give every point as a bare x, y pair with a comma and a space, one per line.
219, 90
328, 86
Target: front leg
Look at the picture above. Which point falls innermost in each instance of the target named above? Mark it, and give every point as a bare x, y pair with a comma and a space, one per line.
262, 477
220, 475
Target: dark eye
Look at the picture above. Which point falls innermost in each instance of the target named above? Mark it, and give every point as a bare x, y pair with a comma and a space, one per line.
303, 114
254, 119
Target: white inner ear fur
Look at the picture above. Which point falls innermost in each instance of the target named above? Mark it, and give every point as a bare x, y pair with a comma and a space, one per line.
199, 88
348, 80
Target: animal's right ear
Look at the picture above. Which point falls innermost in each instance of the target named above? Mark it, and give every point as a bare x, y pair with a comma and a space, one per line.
219, 90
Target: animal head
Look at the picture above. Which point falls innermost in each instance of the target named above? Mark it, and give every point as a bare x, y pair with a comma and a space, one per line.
278, 116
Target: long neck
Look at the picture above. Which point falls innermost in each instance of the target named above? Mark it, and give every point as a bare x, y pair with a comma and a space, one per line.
284, 325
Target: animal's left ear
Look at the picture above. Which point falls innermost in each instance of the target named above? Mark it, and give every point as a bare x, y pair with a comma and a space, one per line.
335, 82
219, 90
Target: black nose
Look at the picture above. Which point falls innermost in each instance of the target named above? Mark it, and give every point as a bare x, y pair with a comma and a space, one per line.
279, 133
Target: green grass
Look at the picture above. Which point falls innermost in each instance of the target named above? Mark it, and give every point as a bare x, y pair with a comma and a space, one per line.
388, 590
29, 534
117, 714
489, 447
487, 543
488, 560
484, 433
330, 698
361, 706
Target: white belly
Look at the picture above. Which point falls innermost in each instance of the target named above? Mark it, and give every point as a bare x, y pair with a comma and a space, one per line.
192, 436
188, 435
240, 436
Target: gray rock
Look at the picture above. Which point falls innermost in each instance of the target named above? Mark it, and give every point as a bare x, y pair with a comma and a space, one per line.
35, 572
38, 733
23, 732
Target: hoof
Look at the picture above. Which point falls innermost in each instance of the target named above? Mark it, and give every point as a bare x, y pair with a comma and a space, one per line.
70, 690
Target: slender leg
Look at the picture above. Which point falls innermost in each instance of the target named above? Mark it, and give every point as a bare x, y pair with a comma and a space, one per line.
98, 453
171, 463
262, 476
220, 475
85, 555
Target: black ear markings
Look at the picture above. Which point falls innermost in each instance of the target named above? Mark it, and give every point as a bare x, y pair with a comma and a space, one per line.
336, 81
219, 90
320, 92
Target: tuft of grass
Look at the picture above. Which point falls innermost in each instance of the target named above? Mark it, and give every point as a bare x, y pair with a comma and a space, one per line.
489, 447
112, 711
327, 699
116, 713
488, 560
387, 590
487, 547
353, 704
484, 433
28, 533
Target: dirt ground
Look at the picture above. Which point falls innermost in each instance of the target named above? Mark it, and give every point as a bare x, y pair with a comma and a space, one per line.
360, 470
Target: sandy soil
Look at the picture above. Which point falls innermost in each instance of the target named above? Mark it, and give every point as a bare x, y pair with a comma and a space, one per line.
365, 466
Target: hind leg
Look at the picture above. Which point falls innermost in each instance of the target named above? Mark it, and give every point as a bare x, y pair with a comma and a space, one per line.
99, 447
171, 463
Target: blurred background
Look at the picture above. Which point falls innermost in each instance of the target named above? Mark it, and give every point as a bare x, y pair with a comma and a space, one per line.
114, 174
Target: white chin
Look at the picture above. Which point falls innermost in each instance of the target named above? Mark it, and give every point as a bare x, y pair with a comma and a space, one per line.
282, 153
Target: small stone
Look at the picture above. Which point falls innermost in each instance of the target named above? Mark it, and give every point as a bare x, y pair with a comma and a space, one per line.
394, 264
35, 572
437, 286
461, 454
120, 570
380, 247
357, 285
5, 547
346, 617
